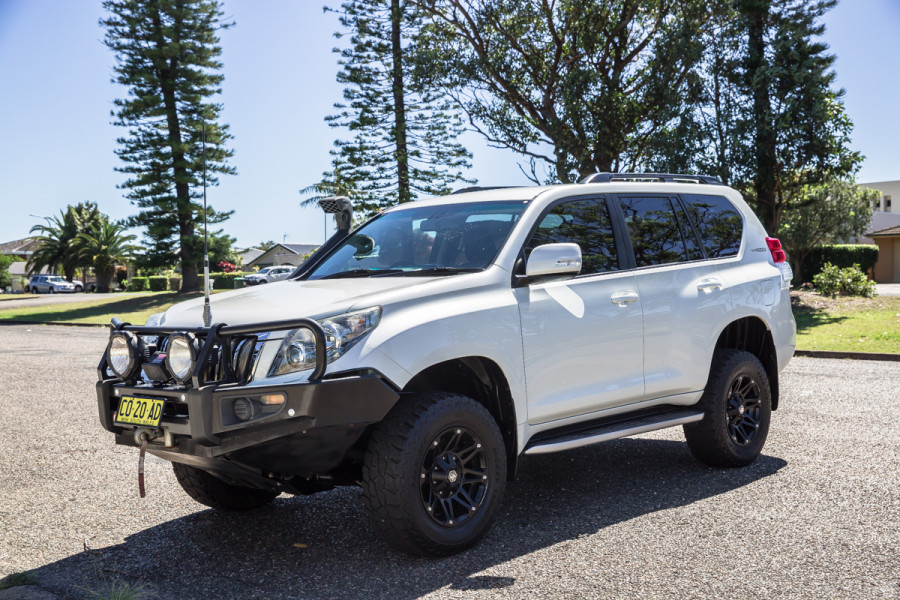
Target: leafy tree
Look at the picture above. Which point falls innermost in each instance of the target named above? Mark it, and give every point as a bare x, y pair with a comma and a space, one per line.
266, 246
105, 245
768, 121
167, 56
5, 278
834, 211
576, 85
404, 131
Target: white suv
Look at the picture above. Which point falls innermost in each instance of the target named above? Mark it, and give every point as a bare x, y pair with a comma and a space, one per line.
269, 274
424, 353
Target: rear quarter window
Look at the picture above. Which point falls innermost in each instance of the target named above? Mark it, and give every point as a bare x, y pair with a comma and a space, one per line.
718, 223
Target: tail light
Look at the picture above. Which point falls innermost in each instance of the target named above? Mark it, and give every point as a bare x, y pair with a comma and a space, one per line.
778, 254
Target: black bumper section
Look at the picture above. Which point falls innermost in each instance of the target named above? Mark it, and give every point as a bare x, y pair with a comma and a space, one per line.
310, 434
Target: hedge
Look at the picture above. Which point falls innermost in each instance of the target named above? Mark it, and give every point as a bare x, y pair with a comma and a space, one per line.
138, 284
225, 281
158, 283
841, 256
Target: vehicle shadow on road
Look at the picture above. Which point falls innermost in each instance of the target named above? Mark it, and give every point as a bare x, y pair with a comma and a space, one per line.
323, 545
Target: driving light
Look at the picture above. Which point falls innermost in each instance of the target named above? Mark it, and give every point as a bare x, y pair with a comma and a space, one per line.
123, 354
181, 354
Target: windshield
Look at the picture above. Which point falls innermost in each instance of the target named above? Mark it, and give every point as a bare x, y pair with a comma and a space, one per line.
57, 279
445, 239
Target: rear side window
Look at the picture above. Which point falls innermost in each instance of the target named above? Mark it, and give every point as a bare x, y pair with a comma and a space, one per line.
584, 222
656, 235
718, 222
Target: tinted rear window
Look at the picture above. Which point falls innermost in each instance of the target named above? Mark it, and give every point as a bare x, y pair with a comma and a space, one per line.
718, 222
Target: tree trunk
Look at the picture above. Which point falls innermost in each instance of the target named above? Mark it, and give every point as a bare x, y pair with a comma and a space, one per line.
402, 152
189, 279
756, 13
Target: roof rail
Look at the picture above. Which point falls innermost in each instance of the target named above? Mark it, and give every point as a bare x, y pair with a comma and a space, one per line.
478, 188
648, 177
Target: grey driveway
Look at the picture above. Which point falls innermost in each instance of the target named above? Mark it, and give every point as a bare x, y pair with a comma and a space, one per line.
817, 516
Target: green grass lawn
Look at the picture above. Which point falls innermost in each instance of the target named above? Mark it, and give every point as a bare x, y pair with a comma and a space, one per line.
847, 324
132, 307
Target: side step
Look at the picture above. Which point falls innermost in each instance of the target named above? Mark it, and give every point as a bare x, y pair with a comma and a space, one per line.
611, 428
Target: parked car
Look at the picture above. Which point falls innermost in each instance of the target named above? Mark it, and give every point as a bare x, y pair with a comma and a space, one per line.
269, 274
423, 354
52, 284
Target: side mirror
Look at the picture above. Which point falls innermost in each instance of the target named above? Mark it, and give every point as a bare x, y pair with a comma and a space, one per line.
552, 260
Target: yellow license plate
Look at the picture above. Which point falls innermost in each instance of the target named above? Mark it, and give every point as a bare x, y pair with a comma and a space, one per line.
140, 411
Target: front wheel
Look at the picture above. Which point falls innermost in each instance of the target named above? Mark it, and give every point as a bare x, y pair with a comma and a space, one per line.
435, 473
51, 290
208, 489
738, 408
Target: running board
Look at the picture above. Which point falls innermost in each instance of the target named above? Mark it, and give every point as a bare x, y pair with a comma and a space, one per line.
604, 432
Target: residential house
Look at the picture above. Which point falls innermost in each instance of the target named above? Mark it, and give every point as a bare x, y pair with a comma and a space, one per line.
884, 231
281, 254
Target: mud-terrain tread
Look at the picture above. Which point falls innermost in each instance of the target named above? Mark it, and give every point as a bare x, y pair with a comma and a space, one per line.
215, 493
708, 439
389, 457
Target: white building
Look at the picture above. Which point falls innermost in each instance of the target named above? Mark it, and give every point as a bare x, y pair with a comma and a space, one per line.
884, 231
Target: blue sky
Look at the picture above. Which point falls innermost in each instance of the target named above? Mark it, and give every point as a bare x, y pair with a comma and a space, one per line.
56, 141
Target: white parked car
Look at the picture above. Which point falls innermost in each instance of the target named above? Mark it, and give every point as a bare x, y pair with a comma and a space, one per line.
424, 353
269, 274
52, 284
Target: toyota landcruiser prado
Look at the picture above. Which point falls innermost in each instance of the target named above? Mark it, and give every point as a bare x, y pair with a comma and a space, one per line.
424, 353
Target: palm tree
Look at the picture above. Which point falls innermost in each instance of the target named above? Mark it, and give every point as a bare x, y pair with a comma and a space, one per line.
58, 246
55, 250
105, 245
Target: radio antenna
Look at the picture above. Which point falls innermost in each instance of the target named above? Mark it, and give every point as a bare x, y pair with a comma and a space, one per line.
207, 312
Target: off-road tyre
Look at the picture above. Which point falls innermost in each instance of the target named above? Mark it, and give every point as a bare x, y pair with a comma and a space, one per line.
409, 466
738, 408
213, 492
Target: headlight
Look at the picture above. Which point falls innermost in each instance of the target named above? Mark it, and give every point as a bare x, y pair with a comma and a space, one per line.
181, 354
298, 350
123, 353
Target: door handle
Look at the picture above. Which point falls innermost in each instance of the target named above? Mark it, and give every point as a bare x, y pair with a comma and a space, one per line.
708, 285
624, 298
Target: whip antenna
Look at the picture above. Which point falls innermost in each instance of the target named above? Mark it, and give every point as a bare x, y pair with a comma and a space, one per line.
207, 312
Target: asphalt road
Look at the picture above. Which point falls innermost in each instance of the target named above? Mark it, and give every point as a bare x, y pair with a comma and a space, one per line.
817, 516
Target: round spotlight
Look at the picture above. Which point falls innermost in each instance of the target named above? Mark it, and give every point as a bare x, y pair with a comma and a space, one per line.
181, 354
122, 355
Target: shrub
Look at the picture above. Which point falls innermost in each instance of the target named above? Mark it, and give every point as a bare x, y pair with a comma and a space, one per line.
840, 255
223, 266
138, 284
158, 283
851, 281
225, 281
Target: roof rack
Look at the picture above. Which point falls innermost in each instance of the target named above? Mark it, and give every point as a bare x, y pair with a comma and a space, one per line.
648, 177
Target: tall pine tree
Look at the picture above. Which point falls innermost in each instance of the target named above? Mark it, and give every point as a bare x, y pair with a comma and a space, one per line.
167, 56
770, 121
404, 133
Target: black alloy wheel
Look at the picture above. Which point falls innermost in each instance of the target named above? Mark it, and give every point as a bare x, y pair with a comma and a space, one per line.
454, 477
743, 409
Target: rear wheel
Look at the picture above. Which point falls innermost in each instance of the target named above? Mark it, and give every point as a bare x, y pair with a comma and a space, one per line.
738, 407
435, 473
213, 492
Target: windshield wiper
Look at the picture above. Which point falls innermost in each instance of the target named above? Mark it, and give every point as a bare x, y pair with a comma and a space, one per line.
439, 271
362, 273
